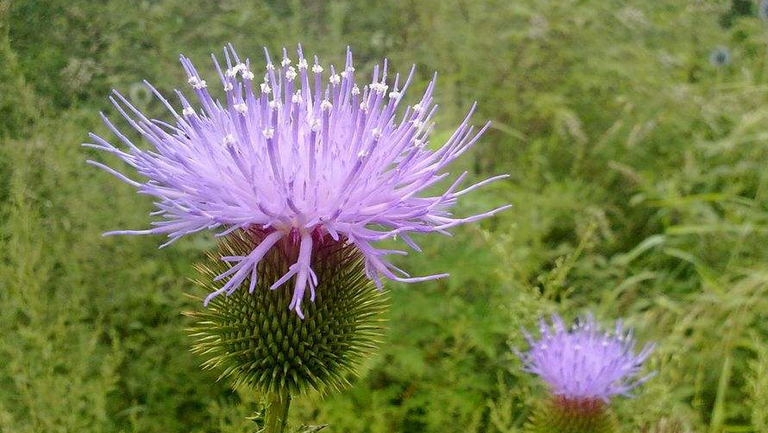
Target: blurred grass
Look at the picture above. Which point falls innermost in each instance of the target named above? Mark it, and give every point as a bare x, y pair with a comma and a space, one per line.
637, 179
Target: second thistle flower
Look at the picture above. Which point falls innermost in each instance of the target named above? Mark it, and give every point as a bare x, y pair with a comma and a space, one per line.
583, 367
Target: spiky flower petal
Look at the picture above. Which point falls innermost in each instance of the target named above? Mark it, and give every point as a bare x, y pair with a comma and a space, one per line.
585, 363
296, 156
254, 339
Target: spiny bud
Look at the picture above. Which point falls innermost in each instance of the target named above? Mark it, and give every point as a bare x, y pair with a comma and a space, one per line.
253, 337
563, 415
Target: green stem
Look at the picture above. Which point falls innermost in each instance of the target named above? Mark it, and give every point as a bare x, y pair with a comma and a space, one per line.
277, 413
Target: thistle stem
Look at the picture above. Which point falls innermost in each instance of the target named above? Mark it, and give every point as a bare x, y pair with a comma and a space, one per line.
277, 413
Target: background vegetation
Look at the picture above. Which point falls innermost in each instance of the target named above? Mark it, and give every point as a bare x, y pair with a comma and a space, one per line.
638, 179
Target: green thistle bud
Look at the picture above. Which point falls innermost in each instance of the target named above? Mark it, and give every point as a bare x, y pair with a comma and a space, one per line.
562, 415
256, 340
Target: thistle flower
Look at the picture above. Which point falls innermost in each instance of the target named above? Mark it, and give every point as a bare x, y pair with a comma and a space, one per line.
583, 367
762, 10
298, 160
585, 362
720, 56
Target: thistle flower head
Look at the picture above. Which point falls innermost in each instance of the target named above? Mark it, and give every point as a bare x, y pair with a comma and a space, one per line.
299, 156
762, 10
585, 363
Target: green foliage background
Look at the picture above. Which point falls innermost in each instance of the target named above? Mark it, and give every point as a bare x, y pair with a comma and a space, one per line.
638, 179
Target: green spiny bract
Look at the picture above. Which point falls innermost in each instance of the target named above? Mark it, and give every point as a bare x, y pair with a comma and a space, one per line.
560, 415
255, 340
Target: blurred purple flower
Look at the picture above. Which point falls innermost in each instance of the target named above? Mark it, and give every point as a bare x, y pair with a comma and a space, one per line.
298, 162
585, 363
762, 10
720, 56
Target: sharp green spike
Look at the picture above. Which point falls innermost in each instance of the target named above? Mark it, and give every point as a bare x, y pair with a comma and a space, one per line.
254, 339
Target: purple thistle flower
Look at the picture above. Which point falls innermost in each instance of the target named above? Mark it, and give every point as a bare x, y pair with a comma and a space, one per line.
298, 162
585, 363
762, 10
720, 57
